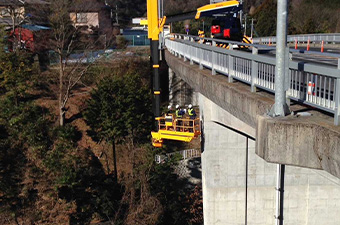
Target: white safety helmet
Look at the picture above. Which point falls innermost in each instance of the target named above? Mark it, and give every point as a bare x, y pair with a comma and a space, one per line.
177, 106
189, 106
169, 106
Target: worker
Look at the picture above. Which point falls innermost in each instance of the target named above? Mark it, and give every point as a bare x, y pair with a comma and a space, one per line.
169, 115
179, 115
179, 112
169, 110
201, 36
191, 112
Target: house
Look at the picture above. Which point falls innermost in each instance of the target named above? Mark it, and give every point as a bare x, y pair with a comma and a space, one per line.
34, 38
92, 17
12, 13
17, 12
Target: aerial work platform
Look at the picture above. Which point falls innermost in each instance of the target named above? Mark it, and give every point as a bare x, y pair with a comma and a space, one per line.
175, 129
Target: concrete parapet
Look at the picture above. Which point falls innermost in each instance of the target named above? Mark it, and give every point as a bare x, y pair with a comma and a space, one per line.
235, 98
299, 141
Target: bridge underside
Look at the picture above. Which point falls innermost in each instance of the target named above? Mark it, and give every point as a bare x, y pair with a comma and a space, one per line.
238, 173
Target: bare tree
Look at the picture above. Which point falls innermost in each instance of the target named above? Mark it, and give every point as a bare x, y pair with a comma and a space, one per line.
66, 36
16, 12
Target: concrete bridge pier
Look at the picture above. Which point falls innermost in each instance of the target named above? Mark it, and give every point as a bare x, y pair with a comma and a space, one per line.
239, 186
180, 92
238, 180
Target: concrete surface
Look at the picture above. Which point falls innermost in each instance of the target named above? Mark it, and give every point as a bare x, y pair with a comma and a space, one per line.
180, 92
312, 142
311, 196
235, 98
300, 141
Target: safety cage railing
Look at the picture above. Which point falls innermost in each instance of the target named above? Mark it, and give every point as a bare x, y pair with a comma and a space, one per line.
181, 125
312, 84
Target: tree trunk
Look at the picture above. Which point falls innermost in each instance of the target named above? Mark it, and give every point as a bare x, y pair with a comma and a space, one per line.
61, 107
114, 160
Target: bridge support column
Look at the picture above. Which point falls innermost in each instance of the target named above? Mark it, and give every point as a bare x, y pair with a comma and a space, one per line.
239, 186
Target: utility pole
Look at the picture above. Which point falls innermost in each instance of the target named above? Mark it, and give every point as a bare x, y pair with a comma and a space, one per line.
280, 108
241, 12
252, 27
245, 24
117, 14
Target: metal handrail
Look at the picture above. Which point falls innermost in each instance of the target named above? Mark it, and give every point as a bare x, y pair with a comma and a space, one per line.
186, 154
330, 37
312, 84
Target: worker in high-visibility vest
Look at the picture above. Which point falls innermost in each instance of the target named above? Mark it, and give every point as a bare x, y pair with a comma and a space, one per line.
201, 36
191, 112
179, 115
179, 112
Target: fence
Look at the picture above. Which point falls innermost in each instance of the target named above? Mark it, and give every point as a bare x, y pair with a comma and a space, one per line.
333, 38
311, 84
185, 154
80, 56
137, 40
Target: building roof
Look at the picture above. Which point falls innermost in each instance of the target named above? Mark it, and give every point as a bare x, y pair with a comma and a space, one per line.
11, 3
43, 2
34, 27
6, 21
22, 2
89, 6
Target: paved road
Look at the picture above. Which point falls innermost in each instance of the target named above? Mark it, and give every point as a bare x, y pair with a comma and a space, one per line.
329, 57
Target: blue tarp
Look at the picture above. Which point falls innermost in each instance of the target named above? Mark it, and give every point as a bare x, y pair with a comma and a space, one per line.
34, 27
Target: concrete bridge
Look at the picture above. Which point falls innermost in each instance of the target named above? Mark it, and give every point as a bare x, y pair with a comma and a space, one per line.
241, 145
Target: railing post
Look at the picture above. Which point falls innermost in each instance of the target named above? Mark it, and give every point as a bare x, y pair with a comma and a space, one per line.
191, 52
337, 99
185, 51
289, 57
254, 70
213, 59
231, 64
201, 58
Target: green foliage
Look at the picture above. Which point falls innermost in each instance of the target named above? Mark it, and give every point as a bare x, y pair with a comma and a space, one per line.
120, 108
121, 42
314, 17
194, 26
175, 7
170, 190
15, 72
305, 16
23, 139
128, 9
265, 16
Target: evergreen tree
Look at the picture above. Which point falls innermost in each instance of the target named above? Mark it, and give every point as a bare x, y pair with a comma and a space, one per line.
120, 109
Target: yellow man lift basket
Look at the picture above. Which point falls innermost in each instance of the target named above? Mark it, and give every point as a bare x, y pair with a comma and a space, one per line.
175, 129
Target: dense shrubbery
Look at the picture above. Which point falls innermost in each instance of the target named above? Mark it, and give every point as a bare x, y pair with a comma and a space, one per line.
304, 17
47, 178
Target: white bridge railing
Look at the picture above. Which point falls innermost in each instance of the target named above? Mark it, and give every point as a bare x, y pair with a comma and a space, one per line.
312, 84
333, 38
186, 154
